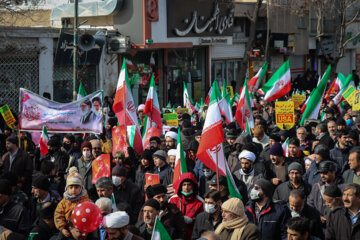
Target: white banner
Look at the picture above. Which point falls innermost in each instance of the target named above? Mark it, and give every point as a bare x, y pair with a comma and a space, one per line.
82, 116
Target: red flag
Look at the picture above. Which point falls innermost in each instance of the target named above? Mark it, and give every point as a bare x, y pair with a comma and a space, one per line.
101, 167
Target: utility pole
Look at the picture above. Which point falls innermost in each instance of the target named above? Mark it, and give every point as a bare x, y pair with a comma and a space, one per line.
75, 49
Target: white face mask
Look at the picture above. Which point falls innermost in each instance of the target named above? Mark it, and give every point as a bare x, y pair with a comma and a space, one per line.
116, 180
86, 154
210, 208
295, 214
254, 194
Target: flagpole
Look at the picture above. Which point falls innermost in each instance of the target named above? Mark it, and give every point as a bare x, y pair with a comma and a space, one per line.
217, 170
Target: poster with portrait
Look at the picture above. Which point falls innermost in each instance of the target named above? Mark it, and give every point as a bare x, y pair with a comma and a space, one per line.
82, 116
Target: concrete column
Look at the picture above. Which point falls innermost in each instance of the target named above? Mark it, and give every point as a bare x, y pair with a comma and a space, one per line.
46, 66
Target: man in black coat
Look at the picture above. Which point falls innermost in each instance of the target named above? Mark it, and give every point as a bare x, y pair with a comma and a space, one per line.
18, 162
43, 227
340, 153
211, 217
344, 222
299, 208
295, 172
13, 215
323, 136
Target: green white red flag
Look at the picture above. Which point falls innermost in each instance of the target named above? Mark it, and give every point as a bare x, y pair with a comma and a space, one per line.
152, 108
313, 104
81, 92
243, 108
180, 161
335, 86
279, 84
188, 102
255, 82
159, 232
124, 107
212, 133
207, 99
44, 138
349, 81
285, 147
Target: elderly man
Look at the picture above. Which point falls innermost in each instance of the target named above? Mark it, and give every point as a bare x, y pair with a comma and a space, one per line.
235, 224
116, 226
170, 214
170, 140
331, 126
245, 170
305, 145
344, 222
295, 172
105, 206
151, 210
96, 147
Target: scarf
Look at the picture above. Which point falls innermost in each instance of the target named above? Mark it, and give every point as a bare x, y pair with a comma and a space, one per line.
75, 198
247, 178
238, 224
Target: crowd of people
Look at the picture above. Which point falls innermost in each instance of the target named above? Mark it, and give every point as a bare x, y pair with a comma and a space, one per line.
310, 191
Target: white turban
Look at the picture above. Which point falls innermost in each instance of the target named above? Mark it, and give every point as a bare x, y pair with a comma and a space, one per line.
171, 152
116, 220
247, 155
171, 134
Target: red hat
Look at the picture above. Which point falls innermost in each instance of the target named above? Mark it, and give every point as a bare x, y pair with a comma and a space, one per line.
86, 144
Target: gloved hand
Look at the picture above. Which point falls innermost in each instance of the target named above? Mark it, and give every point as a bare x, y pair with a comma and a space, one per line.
188, 220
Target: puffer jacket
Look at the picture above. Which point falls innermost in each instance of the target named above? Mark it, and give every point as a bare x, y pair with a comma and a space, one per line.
272, 220
189, 206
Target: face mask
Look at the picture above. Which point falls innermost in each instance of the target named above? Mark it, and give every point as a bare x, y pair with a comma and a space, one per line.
295, 214
67, 146
254, 194
86, 154
207, 174
210, 208
116, 180
187, 194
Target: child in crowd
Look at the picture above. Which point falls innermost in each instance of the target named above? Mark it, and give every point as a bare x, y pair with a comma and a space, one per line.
73, 195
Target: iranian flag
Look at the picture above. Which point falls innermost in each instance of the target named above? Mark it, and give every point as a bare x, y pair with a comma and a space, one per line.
279, 84
313, 105
159, 232
188, 102
207, 99
243, 108
248, 128
124, 107
224, 105
180, 162
336, 86
44, 138
129, 64
255, 82
212, 133
81, 92
152, 108
347, 83
149, 130
234, 99
285, 147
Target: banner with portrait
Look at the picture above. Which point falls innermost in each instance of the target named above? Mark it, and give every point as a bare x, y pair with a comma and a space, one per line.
82, 116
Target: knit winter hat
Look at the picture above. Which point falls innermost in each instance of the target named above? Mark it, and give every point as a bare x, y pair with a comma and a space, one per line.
295, 166
234, 205
266, 186
153, 203
41, 182
119, 171
13, 140
154, 190
86, 144
74, 178
160, 154
277, 149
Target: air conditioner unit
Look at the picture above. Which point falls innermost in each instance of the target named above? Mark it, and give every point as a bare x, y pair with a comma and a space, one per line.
118, 44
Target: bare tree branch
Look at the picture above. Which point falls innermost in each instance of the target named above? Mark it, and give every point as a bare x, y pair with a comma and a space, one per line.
354, 18
350, 39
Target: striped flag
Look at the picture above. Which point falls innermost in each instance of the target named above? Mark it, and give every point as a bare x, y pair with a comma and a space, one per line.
124, 107
159, 232
152, 108
313, 105
285, 147
44, 138
207, 100
180, 162
347, 83
188, 102
279, 84
243, 108
255, 82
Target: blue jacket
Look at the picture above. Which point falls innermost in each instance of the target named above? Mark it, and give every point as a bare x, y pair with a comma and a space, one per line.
272, 221
312, 175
